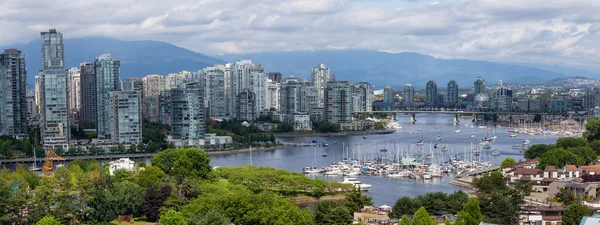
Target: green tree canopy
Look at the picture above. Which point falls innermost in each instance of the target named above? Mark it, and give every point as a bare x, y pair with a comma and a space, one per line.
507, 162
586, 154
559, 157
181, 163
355, 200
422, 217
48, 220
471, 213
172, 217
150, 177
592, 130
127, 197
494, 182
537, 150
404, 221
332, 213
211, 217
570, 142
575, 212
403, 206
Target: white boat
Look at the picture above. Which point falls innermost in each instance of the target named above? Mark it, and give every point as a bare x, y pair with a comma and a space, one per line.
309, 170
426, 175
364, 137
526, 142
513, 135
351, 173
495, 153
472, 135
438, 138
445, 148
456, 130
356, 183
494, 137
332, 172
420, 143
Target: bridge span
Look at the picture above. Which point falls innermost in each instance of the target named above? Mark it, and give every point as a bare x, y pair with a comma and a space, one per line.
446, 112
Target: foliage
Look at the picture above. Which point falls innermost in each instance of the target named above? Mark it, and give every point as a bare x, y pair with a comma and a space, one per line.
404, 221
284, 127
507, 162
355, 200
48, 220
494, 182
595, 145
537, 150
172, 217
501, 207
150, 177
182, 163
574, 213
471, 213
211, 217
525, 189
332, 213
379, 125
566, 196
592, 130
403, 206
559, 157
127, 197
432, 202
537, 118
422, 217
586, 154
153, 201
326, 127
570, 142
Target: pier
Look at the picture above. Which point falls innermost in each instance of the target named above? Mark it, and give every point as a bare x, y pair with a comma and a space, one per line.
479, 172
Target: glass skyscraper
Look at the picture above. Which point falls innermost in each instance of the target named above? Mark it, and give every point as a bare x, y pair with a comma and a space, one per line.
54, 101
107, 80
338, 102
452, 93
431, 93
13, 94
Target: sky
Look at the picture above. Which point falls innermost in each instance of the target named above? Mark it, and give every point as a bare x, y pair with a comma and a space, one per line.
555, 32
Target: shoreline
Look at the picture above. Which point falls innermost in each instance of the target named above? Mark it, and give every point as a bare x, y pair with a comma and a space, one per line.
337, 134
307, 200
244, 150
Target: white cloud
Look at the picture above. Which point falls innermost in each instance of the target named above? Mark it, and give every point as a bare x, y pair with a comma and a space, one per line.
538, 31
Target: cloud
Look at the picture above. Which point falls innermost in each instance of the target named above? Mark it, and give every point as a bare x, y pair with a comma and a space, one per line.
537, 31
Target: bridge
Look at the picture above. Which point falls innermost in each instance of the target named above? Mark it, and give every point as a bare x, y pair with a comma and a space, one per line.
479, 172
446, 112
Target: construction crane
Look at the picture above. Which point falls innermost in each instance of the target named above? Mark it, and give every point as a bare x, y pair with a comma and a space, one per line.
51, 156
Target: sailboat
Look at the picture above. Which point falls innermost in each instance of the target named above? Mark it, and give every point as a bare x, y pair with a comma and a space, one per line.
421, 143
34, 167
439, 137
494, 137
495, 153
313, 169
456, 130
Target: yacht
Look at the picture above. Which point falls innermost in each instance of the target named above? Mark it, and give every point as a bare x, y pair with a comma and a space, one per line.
364, 137
420, 143
356, 183
34, 166
445, 148
309, 170
526, 142
324, 154
472, 135
438, 137
494, 137
495, 153
513, 135
456, 130
426, 175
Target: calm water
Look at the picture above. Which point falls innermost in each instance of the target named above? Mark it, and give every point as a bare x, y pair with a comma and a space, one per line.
384, 190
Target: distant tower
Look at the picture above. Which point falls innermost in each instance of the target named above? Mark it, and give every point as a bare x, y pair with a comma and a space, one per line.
388, 94
500, 83
320, 76
13, 94
479, 86
431, 93
107, 80
409, 94
452, 93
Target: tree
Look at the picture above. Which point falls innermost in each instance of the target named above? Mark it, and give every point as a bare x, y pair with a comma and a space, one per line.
559, 157
332, 213
172, 217
575, 212
595, 145
494, 182
127, 197
183, 163
537, 118
404, 221
154, 200
566, 196
284, 127
211, 217
471, 213
403, 206
537, 150
272, 138
507, 162
422, 217
27, 147
592, 130
586, 154
501, 207
569, 142
355, 200
48, 220
141, 147
132, 148
150, 177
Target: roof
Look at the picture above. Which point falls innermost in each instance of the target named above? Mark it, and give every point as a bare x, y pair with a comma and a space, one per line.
525, 171
525, 178
528, 162
591, 169
552, 218
571, 168
588, 220
548, 179
550, 169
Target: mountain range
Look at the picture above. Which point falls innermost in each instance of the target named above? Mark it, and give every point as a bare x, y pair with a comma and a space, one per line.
139, 58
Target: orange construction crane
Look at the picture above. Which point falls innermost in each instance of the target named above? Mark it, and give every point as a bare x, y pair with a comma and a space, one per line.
51, 156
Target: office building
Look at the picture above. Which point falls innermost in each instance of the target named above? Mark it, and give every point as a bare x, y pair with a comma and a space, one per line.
479, 86
388, 94
174, 80
187, 114
362, 97
409, 94
13, 94
131, 84
32, 112
74, 94
248, 96
308, 101
87, 74
214, 91
431, 94
338, 102
452, 94
54, 93
152, 85
320, 76
275, 77
126, 121
290, 96
107, 80
273, 91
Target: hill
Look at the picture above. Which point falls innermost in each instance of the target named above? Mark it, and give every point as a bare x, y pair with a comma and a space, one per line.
382, 68
138, 58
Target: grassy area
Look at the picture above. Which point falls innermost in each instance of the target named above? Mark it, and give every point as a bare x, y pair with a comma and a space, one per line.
134, 221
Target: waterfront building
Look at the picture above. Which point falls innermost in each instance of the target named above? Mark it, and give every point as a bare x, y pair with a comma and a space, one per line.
107, 81
37, 91
452, 94
590, 99
308, 100
54, 100
559, 103
388, 94
13, 94
431, 94
441, 99
320, 76
248, 94
74, 94
214, 91
503, 100
409, 94
173, 80
152, 85
290, 96
300, 121
362, 97
164, 109
126, 116
479, 86
32, 112
273, 91
187, 115
276, 77
338, 102
87, 74
131, 84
